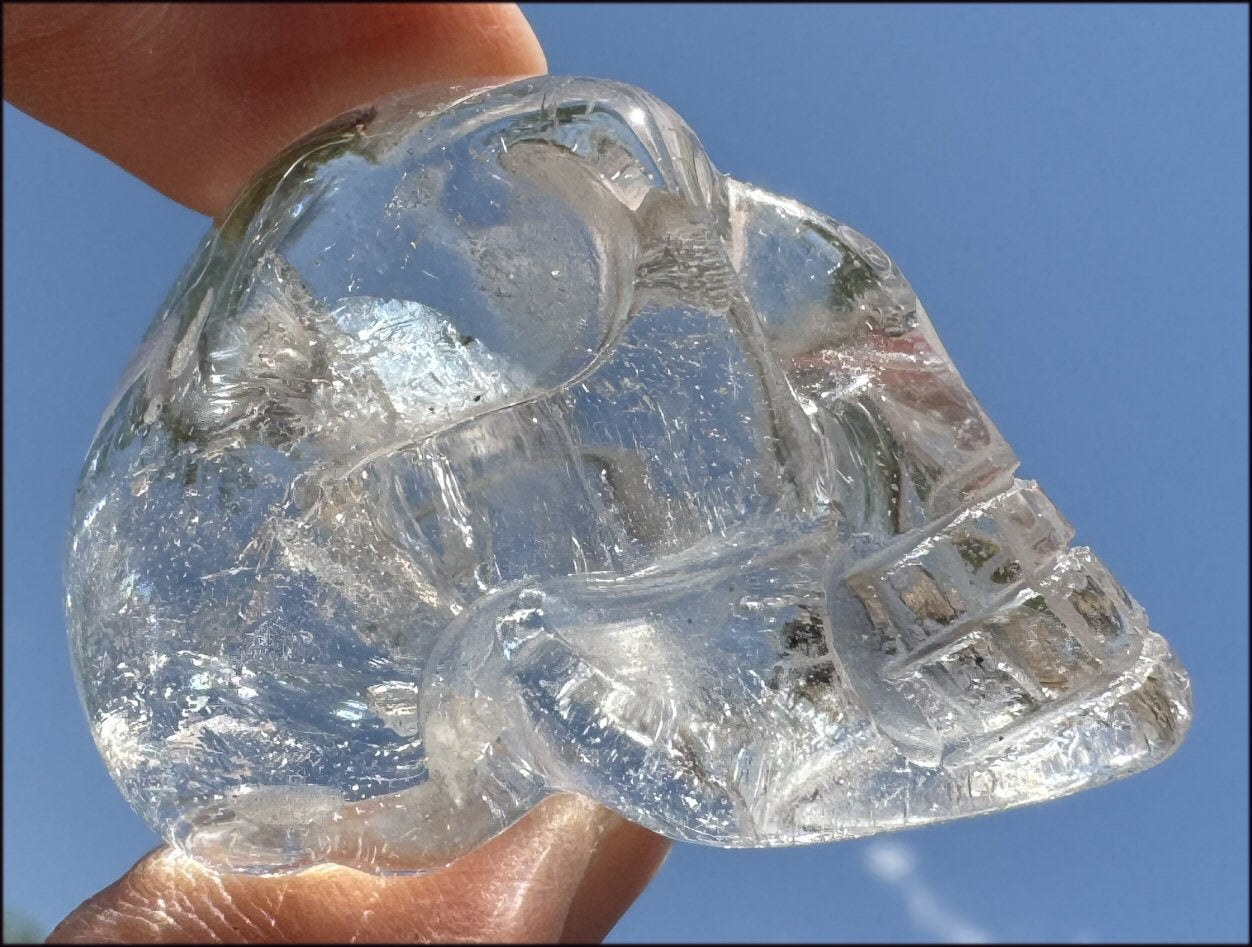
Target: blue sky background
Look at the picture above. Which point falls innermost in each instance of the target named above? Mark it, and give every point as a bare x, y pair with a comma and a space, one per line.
1066, 188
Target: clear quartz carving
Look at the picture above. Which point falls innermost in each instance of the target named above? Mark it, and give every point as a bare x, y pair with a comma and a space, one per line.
497, 445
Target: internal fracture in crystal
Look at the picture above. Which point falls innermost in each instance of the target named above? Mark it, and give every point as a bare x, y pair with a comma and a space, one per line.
497, 445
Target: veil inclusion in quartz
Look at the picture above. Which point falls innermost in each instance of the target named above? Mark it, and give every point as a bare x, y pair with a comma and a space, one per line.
505, 447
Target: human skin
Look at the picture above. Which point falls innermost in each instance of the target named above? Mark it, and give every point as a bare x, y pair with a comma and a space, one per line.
193, 99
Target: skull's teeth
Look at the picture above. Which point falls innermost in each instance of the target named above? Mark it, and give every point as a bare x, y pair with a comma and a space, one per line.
981, 625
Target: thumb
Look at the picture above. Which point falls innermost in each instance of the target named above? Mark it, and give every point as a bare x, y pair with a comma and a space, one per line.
195, 97
566, 872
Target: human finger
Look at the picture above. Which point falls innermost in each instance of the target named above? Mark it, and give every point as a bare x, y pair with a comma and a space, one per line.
194, 98
566, 871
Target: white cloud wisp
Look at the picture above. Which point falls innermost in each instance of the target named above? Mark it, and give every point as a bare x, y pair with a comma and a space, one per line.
895, 864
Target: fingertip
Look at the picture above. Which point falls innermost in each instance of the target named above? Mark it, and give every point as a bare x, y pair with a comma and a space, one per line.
623, 864
195, 98
567, 871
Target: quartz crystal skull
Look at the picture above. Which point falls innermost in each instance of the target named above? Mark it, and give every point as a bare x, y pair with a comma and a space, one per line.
497, 445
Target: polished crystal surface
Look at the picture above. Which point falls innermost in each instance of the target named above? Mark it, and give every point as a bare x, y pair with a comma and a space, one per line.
497, 445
